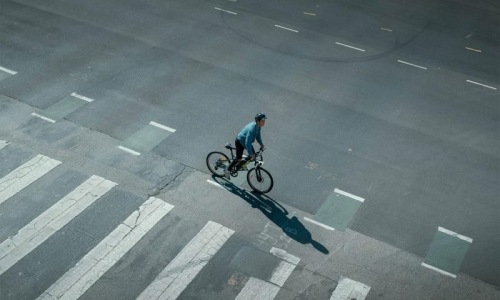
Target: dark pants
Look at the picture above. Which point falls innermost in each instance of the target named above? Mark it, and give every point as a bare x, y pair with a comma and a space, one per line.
239, 154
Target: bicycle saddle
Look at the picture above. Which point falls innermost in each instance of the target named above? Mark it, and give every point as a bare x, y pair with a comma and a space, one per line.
229, 146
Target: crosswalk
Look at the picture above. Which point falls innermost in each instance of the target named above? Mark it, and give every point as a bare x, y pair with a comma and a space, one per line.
29, 252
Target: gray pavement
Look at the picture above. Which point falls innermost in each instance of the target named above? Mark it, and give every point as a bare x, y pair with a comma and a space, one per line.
396, 103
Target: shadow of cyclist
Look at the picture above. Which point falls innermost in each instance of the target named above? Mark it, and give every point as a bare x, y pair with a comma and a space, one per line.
275, 212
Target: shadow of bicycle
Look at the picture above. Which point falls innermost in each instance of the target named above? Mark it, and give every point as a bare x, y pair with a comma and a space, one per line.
275, 212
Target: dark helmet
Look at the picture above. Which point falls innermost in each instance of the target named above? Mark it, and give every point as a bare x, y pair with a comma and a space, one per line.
260, 116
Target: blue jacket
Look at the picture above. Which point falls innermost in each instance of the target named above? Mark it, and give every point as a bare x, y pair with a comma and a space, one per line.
248, 135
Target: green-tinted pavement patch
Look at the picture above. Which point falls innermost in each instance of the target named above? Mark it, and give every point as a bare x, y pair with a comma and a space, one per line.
447, 252
147, 138
337, 211
63, 108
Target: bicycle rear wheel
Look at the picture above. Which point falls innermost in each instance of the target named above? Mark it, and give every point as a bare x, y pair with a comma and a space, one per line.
217, 163
260, 180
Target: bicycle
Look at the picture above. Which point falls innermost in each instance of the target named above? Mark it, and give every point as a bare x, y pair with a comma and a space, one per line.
259, 179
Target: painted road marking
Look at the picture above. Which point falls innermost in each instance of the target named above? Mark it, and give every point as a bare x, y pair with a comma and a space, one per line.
44, 226
215, 183
484, 85
286, 28
8, 71
447, 252
147, 138
309, 14
410, 64
348, 46
82, 97
162, 126
43, 118
25, 175
188, 263
227, 11
129, 150
99, 260
338, 210
260, 289
348, 289
385, 29
3, 144
318, 223
341, 192
472, 49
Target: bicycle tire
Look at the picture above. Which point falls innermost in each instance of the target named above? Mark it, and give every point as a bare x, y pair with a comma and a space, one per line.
217, 163
265, 185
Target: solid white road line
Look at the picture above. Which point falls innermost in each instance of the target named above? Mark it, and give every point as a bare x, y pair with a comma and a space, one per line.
44, 226
348, 289
161, 126
256, 289
227, 11
8, 71
349, 195
449, 232
348, 46
129, 150
43, 118
82, 97
25, 175
410, 64
484, 85
439, 270
99, 260
3, 144
318, 223
286, 28
188, 263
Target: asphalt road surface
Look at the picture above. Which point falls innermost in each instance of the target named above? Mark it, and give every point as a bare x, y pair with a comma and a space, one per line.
383, 121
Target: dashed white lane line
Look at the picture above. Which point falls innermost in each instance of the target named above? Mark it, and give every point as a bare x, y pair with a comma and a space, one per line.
43, 118
82, 97
454, 234
188, 263
226, 11
336, 190
309, 14
25, 175
161, 126
215, 183
472, 49
8, 71
129, 150
413, 65
318, 223
45, 225
348, 289
386, 29
349, 46
286, 28
483, 85
110, 250
439, 270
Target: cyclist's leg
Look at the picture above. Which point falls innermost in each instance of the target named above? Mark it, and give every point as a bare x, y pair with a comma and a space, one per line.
239, 154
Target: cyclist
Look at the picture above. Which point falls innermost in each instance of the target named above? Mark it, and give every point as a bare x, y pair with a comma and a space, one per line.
244, 140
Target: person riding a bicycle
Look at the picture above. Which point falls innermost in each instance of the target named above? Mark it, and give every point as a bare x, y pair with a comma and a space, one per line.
245, 139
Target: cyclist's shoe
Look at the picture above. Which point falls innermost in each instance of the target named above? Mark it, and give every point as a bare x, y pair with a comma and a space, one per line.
227, 175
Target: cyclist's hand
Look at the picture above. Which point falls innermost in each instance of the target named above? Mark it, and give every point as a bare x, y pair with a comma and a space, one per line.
262, 147
252, 157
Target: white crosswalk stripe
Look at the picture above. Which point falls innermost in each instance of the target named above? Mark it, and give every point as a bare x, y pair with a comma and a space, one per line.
25, 175
44, 226
188, 263
90, 268
3, 144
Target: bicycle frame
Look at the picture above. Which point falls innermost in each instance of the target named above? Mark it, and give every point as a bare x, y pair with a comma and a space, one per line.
258, 161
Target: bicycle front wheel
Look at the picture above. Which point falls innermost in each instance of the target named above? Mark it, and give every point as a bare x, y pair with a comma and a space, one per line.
217, 163
260, 180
